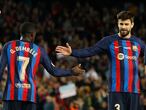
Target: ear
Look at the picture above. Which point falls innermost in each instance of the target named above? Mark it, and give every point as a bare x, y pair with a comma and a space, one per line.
132, 25
21, 37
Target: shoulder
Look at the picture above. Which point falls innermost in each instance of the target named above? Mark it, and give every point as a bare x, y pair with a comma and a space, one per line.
42, 50
109, 39
8, 43
139, 42
136, 39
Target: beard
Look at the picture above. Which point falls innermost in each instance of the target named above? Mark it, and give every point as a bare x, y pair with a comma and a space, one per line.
124, 33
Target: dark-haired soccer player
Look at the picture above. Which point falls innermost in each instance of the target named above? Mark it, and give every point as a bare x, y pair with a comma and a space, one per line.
22, 58
123, 50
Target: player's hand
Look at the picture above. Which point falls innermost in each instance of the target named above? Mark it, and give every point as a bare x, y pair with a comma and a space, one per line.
64, 50
77, 70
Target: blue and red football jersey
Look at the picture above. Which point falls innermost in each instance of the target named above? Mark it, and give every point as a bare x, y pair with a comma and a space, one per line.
22, 60
123, 55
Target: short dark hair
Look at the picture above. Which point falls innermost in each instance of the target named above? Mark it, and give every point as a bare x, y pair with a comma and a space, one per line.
124, 15
27, 28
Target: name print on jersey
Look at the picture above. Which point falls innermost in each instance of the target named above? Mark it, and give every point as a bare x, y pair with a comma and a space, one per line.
22, 48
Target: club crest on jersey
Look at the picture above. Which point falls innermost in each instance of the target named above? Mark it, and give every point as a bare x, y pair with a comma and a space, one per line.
134, 48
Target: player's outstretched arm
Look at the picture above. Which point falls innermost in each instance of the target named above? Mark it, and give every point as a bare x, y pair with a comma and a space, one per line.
100, 47
64, 50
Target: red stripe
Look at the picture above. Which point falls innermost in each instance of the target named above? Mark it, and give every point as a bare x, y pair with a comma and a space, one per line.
12, 71
34, 71
138, 86
139, 49
25, 90
118, 76
130, 62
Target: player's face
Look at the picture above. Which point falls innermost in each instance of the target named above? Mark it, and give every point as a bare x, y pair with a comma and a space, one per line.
125, 27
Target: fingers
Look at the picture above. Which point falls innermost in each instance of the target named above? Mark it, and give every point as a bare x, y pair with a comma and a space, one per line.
67, 44
64, 50
82, 71
79, 65
60, 48
58, 51
77, 70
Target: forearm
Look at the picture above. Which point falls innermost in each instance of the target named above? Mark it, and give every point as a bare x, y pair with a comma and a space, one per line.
60, 72
82, 53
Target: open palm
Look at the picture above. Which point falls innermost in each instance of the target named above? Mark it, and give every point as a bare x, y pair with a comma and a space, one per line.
64, 50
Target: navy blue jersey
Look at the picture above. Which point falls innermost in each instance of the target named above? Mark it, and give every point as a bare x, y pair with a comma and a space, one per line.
123, 55
22, 60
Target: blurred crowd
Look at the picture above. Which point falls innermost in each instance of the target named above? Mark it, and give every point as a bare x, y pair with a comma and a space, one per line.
81, 24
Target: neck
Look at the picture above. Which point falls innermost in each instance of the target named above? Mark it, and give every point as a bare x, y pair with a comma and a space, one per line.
26, 39
127, 36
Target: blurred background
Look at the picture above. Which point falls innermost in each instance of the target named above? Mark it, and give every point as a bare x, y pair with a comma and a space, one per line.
81, 23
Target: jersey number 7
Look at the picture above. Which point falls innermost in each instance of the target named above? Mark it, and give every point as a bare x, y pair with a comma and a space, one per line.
25, 61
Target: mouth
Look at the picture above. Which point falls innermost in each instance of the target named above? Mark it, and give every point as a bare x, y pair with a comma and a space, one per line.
123, 31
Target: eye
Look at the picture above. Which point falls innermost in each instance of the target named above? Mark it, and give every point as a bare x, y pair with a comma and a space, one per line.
121, 23
126, 24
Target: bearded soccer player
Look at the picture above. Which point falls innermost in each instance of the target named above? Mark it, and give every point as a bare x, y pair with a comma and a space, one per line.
22, 58
123, 50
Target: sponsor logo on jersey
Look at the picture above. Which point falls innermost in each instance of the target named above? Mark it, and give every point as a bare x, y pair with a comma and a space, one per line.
24, 85
121, 56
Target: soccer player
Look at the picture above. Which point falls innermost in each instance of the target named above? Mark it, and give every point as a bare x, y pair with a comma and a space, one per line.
22, 58
123, 50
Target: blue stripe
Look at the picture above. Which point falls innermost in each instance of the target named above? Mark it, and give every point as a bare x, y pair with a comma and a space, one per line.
20, 90
35, 48
113, 72
126, 68
136, 77
8, 89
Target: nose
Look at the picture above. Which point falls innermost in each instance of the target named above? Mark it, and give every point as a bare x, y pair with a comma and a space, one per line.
123, 26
